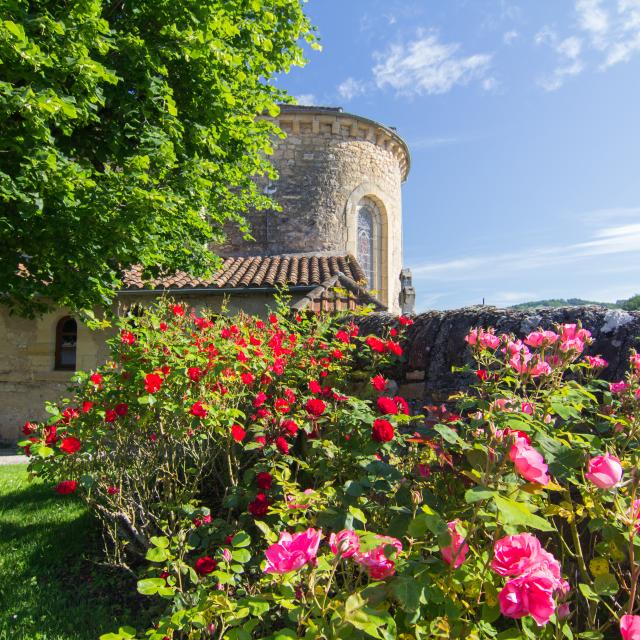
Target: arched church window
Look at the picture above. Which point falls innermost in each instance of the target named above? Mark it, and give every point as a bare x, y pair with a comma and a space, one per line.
66, 344
367, 241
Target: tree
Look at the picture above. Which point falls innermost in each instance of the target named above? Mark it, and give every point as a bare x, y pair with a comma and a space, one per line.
128, 135
632, 304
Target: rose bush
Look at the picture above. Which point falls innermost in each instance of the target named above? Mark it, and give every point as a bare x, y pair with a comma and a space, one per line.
286, 492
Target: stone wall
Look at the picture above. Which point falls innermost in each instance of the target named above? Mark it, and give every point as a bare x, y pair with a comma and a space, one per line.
435, 343
327, 163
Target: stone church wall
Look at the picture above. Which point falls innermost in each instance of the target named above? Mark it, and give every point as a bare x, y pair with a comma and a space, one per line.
328, 161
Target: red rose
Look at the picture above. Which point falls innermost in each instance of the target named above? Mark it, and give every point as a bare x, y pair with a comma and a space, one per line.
28, 428
402, 405
282, 406
152, 382
198, 410
177, 310
261, 440
315, 406
205, 565
110, 415
259, 507
163, 326
260, 399
247, 378
342, 336
238, 433
394, 347
242, 356
282, 444
273, 319
121, 409
70, 445
264, 480
127, 337
112, 490
194, 373
290, 427
96, 378
50, 434
382, 430
387, 405
66, 487
482, 374
290, 396
86, 406
376, 344
379, 383
404, 321
315, 387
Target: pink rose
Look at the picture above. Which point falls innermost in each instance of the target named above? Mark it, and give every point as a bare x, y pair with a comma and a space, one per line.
456, 552
529, 594
604, 471
596, 362
630, 627
375, 562
292, 551
618, 387
515, 555
489, 341
529, 463
345, 542
634, 361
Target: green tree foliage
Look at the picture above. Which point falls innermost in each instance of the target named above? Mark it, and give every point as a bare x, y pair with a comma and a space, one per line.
632, 304
128, 136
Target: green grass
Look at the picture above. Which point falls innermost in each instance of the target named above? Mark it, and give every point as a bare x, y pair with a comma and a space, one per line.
50, 585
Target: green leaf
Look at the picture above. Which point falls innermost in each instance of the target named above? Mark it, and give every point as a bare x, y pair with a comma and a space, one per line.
605, 584
357, 514
156, 554
478, 493
407, 592
518, 514
588, 592
241, 555
241, 539
150, 586
160, 541
45, 452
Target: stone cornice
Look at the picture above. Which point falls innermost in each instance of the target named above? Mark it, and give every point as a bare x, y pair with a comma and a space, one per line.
317, 120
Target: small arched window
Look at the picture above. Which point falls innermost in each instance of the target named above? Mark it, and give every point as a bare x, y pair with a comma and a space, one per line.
66, 344
367, 241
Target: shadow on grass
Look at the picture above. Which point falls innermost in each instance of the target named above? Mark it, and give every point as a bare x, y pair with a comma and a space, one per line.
50, 586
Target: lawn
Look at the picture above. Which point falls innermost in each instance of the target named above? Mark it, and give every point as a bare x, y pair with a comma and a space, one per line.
50, 586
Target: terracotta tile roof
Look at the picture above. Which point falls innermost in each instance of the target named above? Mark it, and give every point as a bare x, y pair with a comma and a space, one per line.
258, 272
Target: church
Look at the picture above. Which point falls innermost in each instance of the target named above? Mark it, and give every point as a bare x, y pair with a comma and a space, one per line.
336, 244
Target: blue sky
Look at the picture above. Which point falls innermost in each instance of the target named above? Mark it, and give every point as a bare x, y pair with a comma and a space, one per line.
523, 120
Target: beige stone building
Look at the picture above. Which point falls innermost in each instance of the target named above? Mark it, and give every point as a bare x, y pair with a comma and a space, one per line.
340, 229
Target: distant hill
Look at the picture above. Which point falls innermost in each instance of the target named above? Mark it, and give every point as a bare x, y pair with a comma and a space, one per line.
568, 302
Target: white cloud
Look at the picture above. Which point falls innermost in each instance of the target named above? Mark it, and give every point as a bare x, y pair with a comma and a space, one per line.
308, 99
426, 65
351, 88
608, 240
608, 31
569, 51
509, 36
593, 19
490, 84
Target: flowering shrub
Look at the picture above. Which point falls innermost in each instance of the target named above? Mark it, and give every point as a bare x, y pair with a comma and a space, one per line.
296, 497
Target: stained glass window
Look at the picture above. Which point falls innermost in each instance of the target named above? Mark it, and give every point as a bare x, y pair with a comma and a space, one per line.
365, 244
